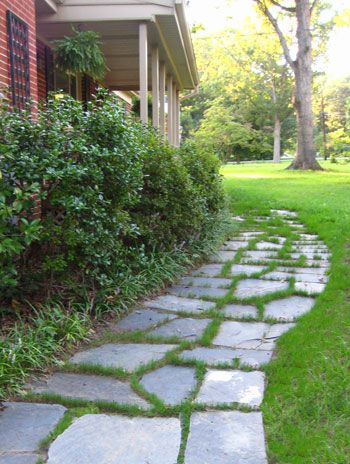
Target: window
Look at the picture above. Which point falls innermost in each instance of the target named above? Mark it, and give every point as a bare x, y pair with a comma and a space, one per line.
19, 60
66, 82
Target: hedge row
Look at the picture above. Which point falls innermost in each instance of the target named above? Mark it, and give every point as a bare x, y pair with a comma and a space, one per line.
111, 193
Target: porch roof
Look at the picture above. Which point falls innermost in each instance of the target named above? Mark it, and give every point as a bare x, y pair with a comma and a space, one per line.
117, 22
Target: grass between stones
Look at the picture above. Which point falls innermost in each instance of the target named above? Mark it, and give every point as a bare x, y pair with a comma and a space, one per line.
306, 406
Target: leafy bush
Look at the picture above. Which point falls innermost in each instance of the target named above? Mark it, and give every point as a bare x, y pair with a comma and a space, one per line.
111, 193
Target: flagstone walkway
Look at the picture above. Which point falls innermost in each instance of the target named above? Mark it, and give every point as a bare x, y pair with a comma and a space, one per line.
181, 378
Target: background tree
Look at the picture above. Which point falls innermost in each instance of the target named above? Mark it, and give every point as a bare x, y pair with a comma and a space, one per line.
301, 66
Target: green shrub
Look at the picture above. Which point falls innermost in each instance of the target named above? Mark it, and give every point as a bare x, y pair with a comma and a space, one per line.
112, 193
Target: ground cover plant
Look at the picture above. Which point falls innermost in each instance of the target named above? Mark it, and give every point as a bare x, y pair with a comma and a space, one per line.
95, 209
306, 407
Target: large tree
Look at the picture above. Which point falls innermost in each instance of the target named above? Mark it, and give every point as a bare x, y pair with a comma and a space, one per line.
301, 66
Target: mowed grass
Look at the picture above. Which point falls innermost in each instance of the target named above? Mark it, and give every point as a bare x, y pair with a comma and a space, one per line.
307, 403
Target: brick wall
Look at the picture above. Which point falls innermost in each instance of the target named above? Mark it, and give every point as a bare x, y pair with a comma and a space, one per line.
24, 9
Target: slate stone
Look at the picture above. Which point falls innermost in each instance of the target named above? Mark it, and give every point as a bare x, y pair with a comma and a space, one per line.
178, 304
249, 288
171, 384
310, 288
268, 246
317, 263
310, 249
222, 256
250, 235
276, 330
232, 386
208, 270
303, 270
220, 355
24, 425
284, 276
238, 269
247, 335
237, 310
308, 237
128, 356
98, 438
206, 282
320, 257
198, 292
184, 329
288, 309
234, 245
284, 213
226, 437
19, 459
141, 319
280, 239
90, 388
238, 218
260, 255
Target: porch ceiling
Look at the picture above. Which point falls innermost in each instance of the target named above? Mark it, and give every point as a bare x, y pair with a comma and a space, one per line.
120, 38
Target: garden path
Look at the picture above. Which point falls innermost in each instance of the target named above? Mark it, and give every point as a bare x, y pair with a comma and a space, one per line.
181, 378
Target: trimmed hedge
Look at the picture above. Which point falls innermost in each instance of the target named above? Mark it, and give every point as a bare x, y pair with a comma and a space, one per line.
111, 191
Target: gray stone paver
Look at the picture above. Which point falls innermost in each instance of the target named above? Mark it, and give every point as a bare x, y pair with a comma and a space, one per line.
226, 437
255, 287
215, 437
175, 303
215, 282
288, 309
184, 329
141, 319
231, 386
198, 292
24, 425
239, 311
171, 384
103, 439
127, 356
90, 388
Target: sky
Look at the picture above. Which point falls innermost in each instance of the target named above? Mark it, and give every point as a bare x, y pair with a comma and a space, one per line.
215, 15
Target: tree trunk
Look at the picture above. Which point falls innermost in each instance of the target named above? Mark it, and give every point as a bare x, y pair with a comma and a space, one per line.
277, 141
306, 155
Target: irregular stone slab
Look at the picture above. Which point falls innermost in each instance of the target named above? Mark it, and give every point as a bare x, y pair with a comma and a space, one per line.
288, 309
171, 384
280, 239
309, 243
249, 288
206, 282
98, 438
303, 270
257, 255
19, 459
197, 292
178, 304
209, 270
226, 437
141, 319
308, 237
277, 275
219, 356
276, 330
127, 356
24, 425
226, 386
247, 335
310, 249
238, 218
234, 245
284, 212
320, 257
236, 310
90, 388
250, 235
268, 246
238, 269
310, 288
222, 256
184, 329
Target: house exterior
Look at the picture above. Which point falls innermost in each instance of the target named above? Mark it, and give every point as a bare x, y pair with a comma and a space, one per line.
147, 45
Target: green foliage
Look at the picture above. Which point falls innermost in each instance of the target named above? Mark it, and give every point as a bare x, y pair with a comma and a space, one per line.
81, 53
112, 194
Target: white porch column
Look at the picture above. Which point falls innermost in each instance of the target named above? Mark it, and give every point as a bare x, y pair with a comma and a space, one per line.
177, 132
155, 87
162, 79
174, 114
170, 124
143, 65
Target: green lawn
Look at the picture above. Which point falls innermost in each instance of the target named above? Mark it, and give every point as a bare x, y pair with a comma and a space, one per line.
307, 403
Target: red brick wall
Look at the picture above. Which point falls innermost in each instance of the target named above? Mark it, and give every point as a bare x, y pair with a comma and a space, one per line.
41, 61
24, 9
